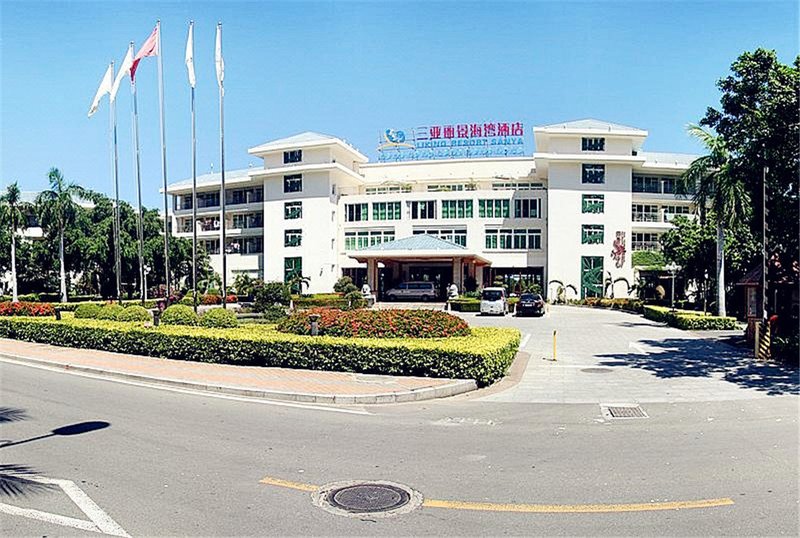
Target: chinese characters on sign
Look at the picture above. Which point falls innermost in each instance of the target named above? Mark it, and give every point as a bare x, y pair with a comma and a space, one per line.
456, 141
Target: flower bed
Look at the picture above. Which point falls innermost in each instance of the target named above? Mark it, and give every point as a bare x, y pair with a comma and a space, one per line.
377, 323
8, 308
689, 319
484, 355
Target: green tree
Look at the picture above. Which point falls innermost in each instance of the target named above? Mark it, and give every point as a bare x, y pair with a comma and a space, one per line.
12, 216
759, 119
714, 186
57, 209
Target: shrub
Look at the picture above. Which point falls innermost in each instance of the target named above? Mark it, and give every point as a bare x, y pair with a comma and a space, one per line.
275, 313
110, 312
647, 258
271, 293
231, 298
330, 300
48, 297
483, 356
134, 313
688, 319
465, 305
187, 299
72, 298
29, 298
211, 299
378, 323
344, 285
354, 300
220, 318
179, 314
26, 309
87, 310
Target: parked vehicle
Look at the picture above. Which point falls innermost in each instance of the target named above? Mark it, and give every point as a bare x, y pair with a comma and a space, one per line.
422, 291
494, 301
530, 304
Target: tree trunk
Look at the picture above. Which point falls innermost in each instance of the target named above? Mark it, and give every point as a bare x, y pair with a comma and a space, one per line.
14, 296
61, 268
720, 270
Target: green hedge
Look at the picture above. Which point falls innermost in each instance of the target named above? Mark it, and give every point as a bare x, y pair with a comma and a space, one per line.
689, 319
485, 355
330, 300
465, 305
630, 305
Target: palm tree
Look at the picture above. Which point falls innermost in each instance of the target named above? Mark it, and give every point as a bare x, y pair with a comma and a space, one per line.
713, 186
57, 209
11, 213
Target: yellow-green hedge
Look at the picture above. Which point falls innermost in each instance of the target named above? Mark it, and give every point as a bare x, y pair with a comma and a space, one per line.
483, 356
689, 319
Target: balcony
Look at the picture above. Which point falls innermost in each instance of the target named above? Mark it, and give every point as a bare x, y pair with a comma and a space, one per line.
660, 216
646, 245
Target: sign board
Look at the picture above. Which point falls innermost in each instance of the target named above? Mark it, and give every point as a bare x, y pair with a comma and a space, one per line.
456, 141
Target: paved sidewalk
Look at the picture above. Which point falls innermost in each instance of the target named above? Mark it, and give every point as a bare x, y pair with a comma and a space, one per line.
273, 383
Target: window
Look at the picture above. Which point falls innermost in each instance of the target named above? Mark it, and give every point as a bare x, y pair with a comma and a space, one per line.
211, 245
493, 209
528, 239
645, 241
293, 156
518, 239
182, 202
593, 144
456, 209
649, 184
591, 234
356, 212
291, 267
293, 183
244, 196
292, 238
644, 213
358, 239
457, 236
529, 208
593, 203
668, 185
247, 220
593, 173
292, 210
385, 210
245, 245
423, 210
452, 187
207, 199
388, 189
517, 186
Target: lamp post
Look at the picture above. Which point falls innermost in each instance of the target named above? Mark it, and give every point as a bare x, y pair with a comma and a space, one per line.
146, 272
673, 268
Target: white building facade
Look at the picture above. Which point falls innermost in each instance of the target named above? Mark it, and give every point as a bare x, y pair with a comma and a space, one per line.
566, 217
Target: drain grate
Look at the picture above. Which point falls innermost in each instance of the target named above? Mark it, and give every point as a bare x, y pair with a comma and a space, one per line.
622, 411
365, 498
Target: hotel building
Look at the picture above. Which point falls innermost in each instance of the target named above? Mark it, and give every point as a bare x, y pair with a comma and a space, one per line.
569, 215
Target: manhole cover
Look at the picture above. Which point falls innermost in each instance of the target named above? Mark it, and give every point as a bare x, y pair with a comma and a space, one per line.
367, 498
596, 370
622, 411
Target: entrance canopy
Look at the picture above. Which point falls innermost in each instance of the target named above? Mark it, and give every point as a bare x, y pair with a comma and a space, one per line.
420, 249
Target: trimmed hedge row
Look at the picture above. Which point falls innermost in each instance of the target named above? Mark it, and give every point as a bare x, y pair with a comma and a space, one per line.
484, 356
630, 305
689, 320
377, 323
331, 300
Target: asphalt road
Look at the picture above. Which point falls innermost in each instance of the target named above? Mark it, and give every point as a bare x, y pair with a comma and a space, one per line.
171, 463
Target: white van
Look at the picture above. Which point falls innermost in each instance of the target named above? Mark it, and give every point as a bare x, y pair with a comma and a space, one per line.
493, 301
421, 291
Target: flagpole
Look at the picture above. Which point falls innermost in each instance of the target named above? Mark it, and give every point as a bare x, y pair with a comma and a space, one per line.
222, 170
194, 190
163, 161
137, 169
112, 109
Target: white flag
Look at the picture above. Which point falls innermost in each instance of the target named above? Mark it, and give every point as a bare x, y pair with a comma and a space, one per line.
190, 55
105, 87
124, 70
218, 57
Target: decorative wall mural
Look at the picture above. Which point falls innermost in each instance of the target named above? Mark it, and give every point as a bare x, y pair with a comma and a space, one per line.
618, 254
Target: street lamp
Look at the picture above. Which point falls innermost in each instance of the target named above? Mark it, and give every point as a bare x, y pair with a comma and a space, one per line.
146, 272
673, 268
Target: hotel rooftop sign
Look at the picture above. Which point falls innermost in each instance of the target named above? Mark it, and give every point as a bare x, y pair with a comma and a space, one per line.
452, 141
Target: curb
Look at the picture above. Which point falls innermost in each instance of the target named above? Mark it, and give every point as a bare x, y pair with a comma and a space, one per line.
458, 386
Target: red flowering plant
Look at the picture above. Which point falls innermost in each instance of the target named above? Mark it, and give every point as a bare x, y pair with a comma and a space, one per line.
21, 308
377, 323
231, 298
211, 298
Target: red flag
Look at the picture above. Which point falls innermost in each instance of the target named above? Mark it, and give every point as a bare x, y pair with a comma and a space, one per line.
149, 48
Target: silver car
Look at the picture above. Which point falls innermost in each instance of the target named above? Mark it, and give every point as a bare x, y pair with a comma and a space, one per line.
421, 291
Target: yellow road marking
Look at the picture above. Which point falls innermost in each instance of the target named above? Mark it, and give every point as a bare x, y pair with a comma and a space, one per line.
536, 508
576, 508
288, 484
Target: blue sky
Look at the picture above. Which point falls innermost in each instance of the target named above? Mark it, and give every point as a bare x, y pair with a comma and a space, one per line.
352, 69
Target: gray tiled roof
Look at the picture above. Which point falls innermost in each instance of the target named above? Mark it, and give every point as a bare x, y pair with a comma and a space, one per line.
416, 242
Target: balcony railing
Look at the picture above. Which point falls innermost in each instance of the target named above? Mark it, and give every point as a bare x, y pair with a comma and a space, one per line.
646, 245
645, 217
657, 216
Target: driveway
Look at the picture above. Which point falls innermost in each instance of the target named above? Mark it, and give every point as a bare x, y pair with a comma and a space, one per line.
606, 356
